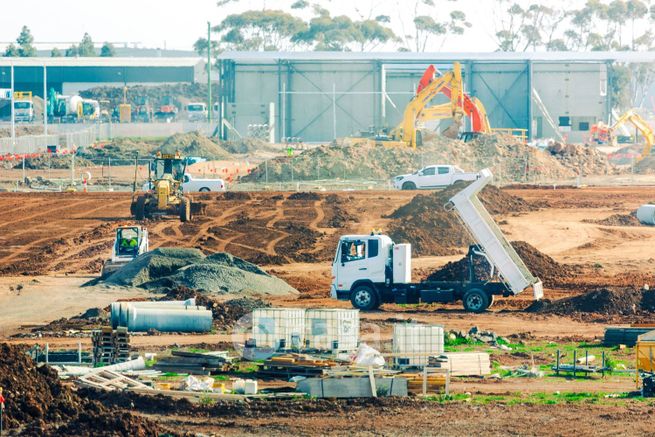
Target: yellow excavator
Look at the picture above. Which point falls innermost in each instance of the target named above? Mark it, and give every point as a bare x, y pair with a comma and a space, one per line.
602, 133
164, 195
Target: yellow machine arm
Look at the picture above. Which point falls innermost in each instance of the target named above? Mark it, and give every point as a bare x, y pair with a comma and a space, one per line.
642, 126
445, 110
406, 130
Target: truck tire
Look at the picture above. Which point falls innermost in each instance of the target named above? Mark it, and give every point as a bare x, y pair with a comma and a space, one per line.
204, 190
409, 186
140, 208
364, 298
185, 210
476, 300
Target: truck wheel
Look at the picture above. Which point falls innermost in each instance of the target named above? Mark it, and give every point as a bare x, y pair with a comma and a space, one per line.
204, 190
409, 186
364, 298
140, 208
476, 301
185, 210
458, 183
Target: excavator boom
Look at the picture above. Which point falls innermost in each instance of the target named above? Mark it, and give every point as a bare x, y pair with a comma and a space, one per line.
642, 126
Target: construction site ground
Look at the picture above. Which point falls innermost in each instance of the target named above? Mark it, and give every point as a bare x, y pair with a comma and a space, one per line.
52, 243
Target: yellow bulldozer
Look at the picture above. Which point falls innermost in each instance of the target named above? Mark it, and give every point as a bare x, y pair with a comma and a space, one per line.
163, 194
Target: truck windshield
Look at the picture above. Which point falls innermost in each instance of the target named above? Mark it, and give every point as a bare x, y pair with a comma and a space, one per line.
22, 105
353, 251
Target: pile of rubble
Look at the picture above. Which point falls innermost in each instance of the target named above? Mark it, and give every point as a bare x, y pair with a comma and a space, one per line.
583, 160
604, 301
193, 144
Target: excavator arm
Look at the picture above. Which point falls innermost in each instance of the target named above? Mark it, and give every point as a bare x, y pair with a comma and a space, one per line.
642, 126
473, 108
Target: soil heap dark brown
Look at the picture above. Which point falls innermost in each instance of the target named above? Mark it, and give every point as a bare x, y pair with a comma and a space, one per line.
425, 223
605, 301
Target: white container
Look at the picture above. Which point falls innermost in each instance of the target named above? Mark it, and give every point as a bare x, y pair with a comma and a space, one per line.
332, 329
279, 328
402, 263
646, 214
250, 387
413, 343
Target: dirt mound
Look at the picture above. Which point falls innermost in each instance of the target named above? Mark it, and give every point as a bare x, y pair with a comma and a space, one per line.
646, 165
179, 94
432, 230
617, 220
219, 273
606, 301
304, 196
245, 145
193, 144
36, 400
582, 160
52, 161
120, 149
234, 195
540, 265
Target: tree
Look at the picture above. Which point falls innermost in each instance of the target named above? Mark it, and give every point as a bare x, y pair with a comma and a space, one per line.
370, 34
25, 40
86, 47
11, 51
428, 28
72, 51
259, 30
55, 53
329, 33
635, 10
200, 47
107, 50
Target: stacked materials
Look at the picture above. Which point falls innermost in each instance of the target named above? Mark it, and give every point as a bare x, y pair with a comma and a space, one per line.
463, 363
110, 346
162, 316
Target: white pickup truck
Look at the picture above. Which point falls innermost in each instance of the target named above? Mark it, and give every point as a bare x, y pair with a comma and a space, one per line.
433, 176
191, 184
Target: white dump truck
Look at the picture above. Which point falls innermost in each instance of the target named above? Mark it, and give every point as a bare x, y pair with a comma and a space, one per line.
370, 270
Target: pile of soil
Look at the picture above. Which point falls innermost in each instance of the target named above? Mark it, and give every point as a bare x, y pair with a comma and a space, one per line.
219, 273
583, 160
627, 155
646, 165
225, 313
432, 230
540, 265
120, 149
52, 161
246, 145
617, 220
304, 196
193, 144
605, 301
180, 94
37, 402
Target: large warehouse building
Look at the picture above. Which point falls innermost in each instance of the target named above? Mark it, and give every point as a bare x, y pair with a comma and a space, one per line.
318, 96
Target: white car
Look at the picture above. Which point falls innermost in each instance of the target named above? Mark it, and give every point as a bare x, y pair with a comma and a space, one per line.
433, 176
191, 184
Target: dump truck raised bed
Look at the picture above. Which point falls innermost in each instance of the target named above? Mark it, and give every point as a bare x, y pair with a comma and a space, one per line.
370, 270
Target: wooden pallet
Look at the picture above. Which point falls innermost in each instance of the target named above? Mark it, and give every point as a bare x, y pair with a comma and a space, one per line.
110, 380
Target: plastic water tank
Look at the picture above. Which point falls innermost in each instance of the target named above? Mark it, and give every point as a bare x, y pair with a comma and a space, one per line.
646, 214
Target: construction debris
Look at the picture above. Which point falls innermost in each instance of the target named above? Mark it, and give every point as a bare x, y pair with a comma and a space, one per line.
289, 365
463, 363
105, 379
194, 363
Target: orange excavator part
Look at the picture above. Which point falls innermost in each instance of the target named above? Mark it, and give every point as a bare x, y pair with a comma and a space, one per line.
428, 76
479, 121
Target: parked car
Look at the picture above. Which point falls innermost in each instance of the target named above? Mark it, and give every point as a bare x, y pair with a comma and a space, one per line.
191, 184
433, 176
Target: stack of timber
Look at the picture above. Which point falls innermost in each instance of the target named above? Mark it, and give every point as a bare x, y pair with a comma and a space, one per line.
289, 365
194, 363
627, 336
462, 363
431, 380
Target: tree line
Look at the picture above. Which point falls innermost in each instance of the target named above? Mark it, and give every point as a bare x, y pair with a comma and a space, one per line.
518, 25
24, 47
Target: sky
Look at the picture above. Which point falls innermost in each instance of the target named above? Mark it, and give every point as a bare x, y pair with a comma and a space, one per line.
176, 24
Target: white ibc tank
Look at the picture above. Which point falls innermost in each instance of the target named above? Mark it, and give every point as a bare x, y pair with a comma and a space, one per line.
279, 328
332, 329
413, 343
646, 214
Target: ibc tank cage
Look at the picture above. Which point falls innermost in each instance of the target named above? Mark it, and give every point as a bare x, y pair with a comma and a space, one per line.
413, 344
278, 328
332, 329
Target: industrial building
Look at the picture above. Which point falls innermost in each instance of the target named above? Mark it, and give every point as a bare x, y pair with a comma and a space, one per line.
71, 75
319, 96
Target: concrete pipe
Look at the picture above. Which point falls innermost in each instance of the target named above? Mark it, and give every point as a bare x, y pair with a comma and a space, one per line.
646, 214
119, 310
169, 319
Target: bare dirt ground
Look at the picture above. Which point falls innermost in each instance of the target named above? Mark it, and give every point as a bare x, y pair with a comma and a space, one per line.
46, 236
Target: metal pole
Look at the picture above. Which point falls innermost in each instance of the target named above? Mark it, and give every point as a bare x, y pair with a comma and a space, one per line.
13, 120
209, 73
334, 111
109, 174
266, 170
45, 104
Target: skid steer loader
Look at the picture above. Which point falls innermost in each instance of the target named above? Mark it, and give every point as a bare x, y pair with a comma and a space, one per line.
164, 196
130, 242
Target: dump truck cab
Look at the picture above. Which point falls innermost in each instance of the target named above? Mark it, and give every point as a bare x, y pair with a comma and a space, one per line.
129, 242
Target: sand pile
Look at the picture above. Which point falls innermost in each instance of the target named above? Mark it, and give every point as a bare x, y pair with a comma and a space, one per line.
583, 160
193, 144
432, 230
37, 402
123, 149
219, 273
540, 265
617, 220
606, 301
51, 161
